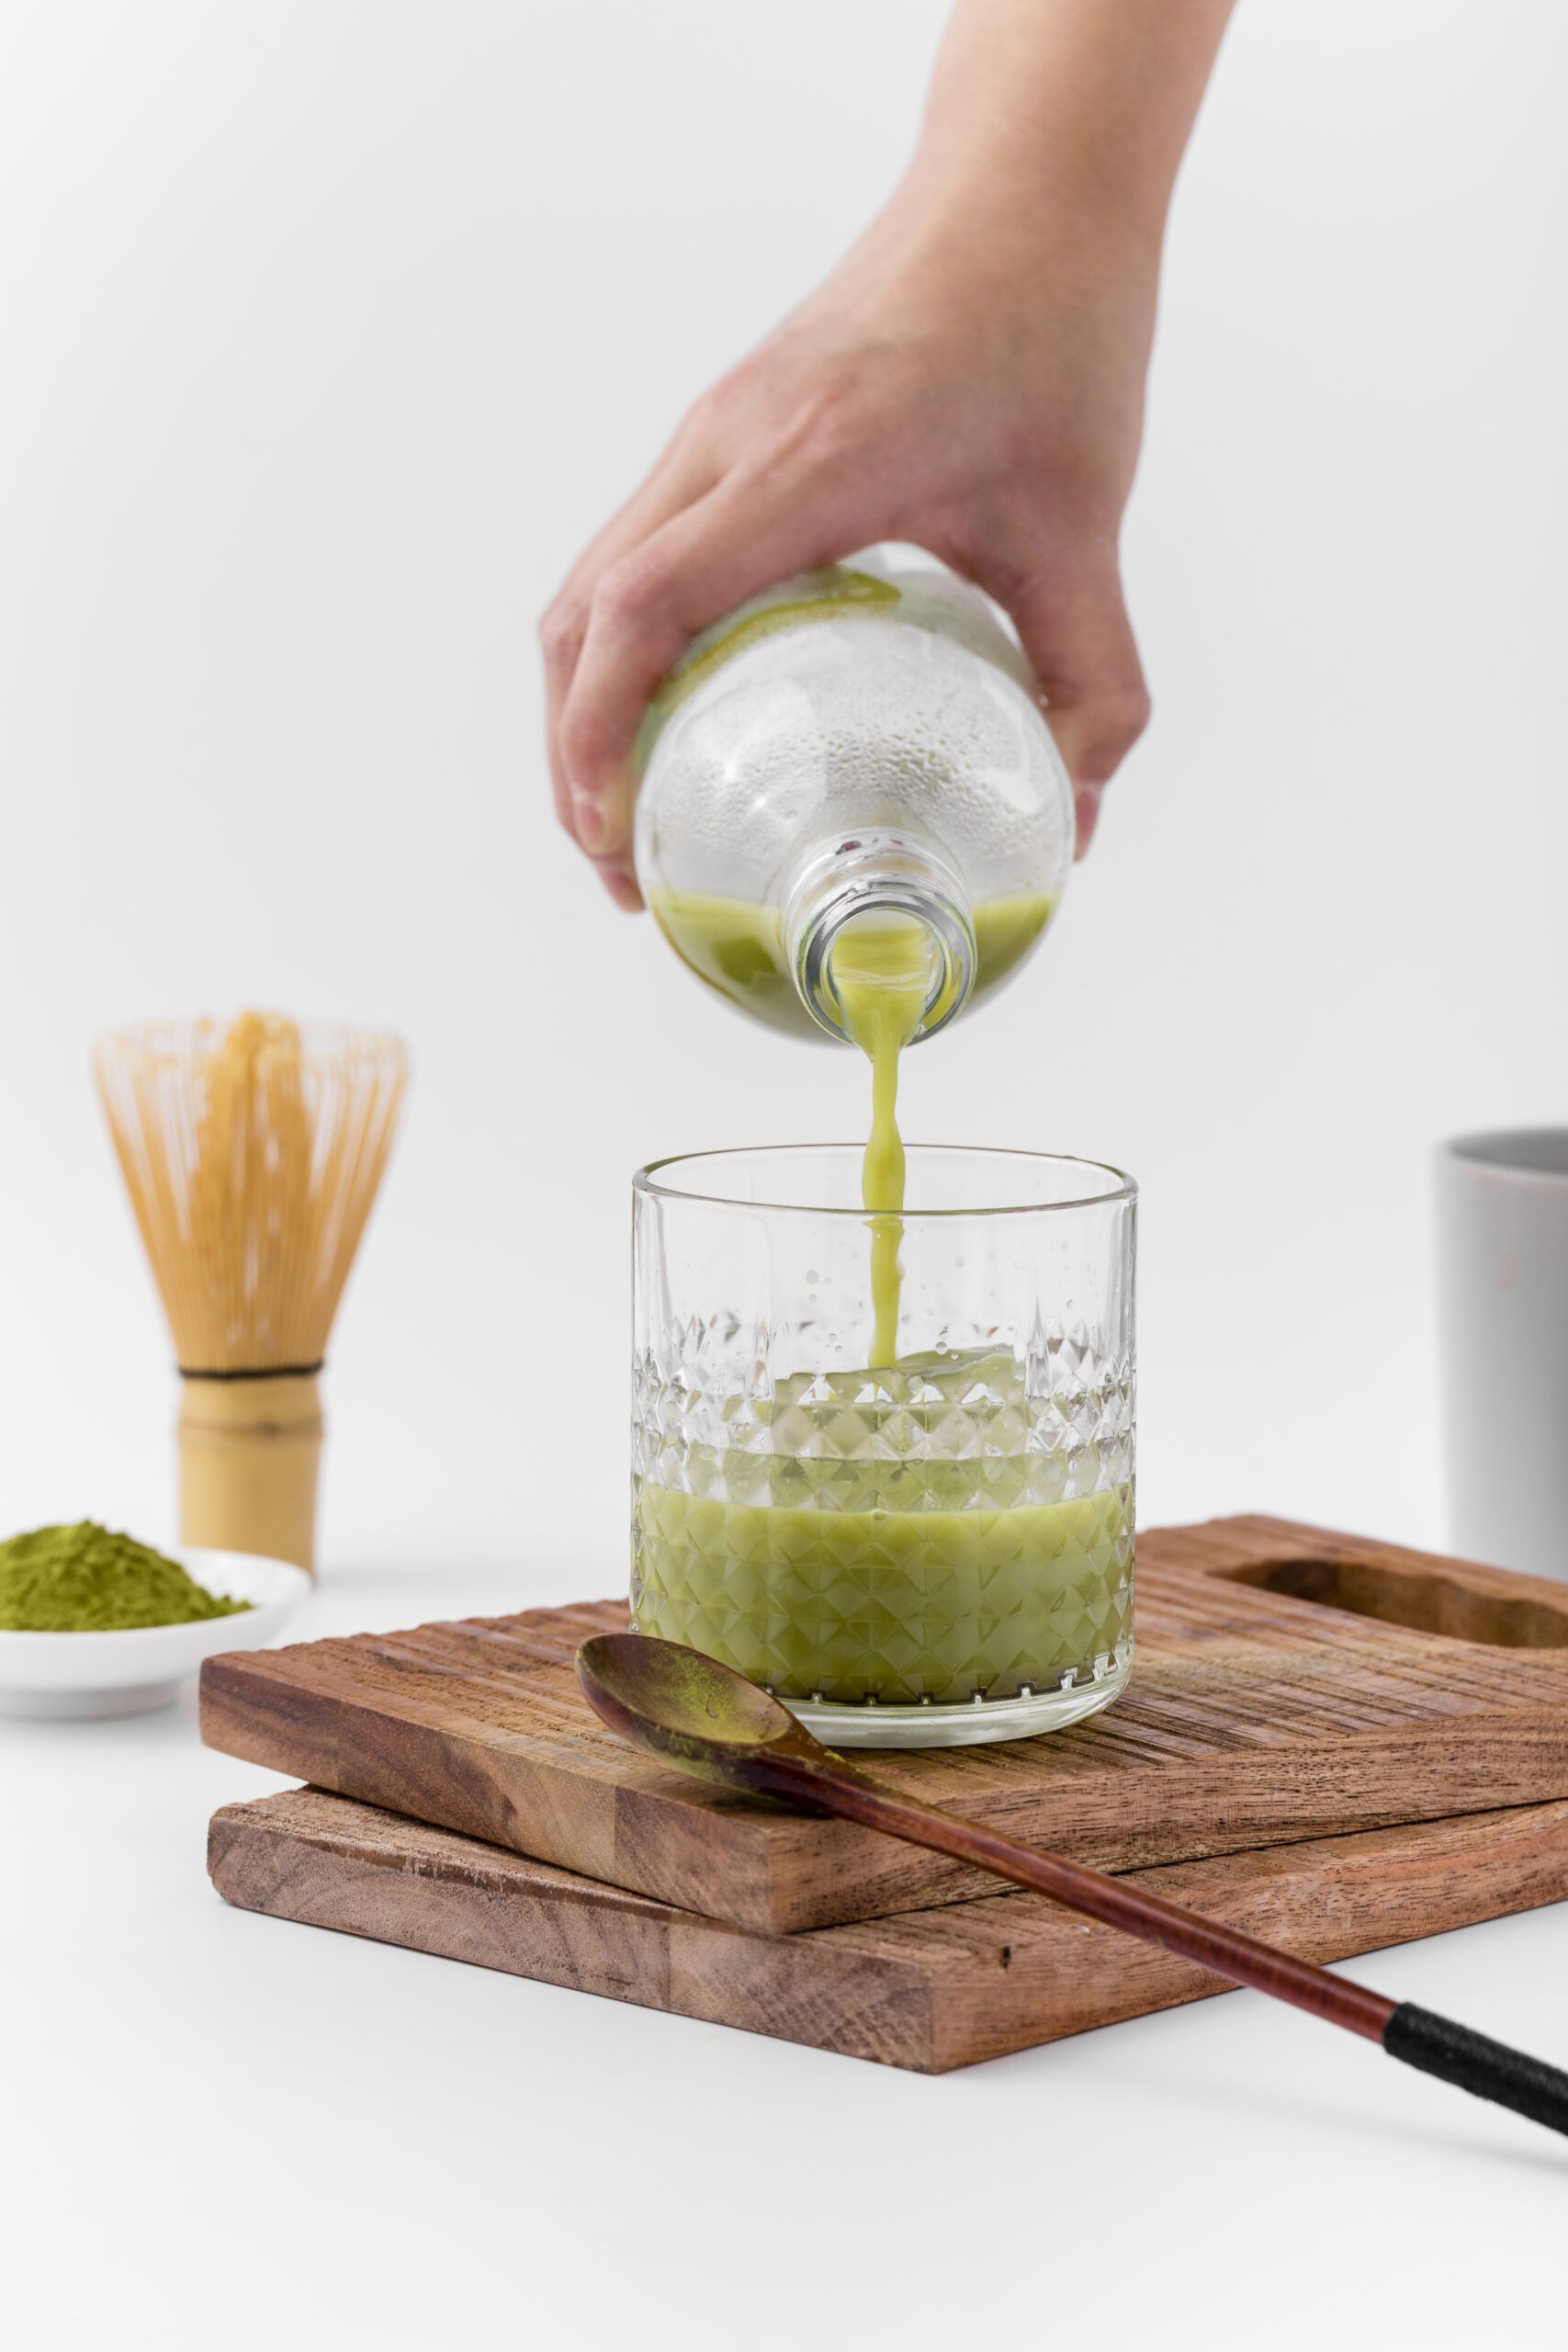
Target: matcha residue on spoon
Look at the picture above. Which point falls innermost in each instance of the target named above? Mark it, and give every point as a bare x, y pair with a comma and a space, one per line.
86, 1579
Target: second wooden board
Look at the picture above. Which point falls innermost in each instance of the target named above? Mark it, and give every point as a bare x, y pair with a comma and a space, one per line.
1289, 1684
930, 1990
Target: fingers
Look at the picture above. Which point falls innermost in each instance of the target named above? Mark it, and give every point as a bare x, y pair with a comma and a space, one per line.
645, 609
1073, 622
678, 480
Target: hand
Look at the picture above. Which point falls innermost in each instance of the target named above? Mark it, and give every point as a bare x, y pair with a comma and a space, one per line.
970, 379
911, 398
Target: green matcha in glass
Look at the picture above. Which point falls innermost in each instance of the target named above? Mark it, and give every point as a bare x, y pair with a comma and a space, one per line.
928, 1551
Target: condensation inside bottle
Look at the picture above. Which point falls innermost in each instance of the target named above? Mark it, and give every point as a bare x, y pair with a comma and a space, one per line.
910, 718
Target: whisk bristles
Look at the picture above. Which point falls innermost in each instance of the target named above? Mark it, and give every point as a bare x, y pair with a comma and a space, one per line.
252, 1153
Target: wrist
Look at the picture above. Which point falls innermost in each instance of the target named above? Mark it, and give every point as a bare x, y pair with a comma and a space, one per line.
1032, 210
1052, 113
959, 241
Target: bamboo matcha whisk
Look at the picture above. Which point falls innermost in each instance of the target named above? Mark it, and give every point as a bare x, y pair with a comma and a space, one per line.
252, 1153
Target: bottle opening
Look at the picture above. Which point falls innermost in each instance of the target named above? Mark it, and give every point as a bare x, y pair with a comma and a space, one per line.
881, 937
886, 971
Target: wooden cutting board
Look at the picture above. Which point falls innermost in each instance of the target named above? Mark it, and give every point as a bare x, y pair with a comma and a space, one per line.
927, 1990
1288, 1684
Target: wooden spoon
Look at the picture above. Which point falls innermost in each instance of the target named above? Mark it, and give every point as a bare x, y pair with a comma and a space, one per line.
707, 1718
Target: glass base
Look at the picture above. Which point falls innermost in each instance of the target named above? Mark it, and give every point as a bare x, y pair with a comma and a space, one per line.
871, 1726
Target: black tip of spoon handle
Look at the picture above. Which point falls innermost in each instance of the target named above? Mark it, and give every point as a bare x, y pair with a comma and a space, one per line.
1473, 2063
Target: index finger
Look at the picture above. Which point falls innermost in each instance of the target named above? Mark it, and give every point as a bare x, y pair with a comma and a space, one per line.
673, 484
740, 539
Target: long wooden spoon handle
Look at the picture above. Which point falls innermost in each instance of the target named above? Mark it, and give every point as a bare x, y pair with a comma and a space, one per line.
1436, 2046
1118, 1902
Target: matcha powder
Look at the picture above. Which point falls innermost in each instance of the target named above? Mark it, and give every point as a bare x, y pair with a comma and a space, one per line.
84, 1579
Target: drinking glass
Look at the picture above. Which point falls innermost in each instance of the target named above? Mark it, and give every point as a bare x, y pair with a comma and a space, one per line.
924, 1553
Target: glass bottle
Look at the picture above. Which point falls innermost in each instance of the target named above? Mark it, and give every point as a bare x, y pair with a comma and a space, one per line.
862, 740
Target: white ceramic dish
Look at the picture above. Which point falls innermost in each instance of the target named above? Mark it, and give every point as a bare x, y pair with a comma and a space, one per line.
129, 1673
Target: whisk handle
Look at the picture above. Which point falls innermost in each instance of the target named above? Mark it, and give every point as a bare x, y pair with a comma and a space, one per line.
250, 1452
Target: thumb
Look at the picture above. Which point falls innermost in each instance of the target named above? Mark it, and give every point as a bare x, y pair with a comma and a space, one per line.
1072, 623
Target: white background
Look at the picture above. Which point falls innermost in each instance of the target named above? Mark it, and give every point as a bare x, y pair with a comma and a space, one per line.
331, 328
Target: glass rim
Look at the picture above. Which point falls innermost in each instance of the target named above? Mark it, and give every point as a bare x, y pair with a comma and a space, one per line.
1123, 1189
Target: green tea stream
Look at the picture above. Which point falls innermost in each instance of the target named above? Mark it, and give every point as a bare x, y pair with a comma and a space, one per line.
881, 969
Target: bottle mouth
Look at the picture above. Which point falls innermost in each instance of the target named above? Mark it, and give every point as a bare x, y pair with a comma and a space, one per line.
858, 898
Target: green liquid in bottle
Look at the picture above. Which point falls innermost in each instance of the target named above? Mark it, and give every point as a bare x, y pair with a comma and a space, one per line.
739, 950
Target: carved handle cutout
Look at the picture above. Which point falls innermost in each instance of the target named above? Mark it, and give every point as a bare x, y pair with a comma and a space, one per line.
1427, 1603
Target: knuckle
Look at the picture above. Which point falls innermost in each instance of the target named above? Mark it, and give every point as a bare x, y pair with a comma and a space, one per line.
830, 424
712, 408
836, 416
1123, 716
1134, 711
632, 591
584, 744
560, 631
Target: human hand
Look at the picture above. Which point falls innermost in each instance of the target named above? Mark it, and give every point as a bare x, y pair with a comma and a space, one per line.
911, 399
970, 379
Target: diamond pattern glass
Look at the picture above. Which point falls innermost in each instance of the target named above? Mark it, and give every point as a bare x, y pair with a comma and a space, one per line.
939, 1551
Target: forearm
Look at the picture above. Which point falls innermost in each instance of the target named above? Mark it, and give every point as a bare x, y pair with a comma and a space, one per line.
1047, 110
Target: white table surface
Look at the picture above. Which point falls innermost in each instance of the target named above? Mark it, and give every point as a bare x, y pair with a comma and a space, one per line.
285, 2136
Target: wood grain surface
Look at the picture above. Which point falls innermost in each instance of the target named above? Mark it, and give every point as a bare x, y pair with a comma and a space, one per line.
930, 1990
1288, 1684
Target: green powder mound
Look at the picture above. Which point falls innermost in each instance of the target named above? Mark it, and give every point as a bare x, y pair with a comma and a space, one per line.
86, 1579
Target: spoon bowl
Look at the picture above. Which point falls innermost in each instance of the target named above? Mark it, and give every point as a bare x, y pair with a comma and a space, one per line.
701, 1715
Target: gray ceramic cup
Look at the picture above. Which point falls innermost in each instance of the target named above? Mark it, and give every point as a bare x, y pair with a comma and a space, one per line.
1503, 1331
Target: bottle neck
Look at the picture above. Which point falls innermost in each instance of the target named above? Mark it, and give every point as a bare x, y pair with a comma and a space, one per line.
888, 876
